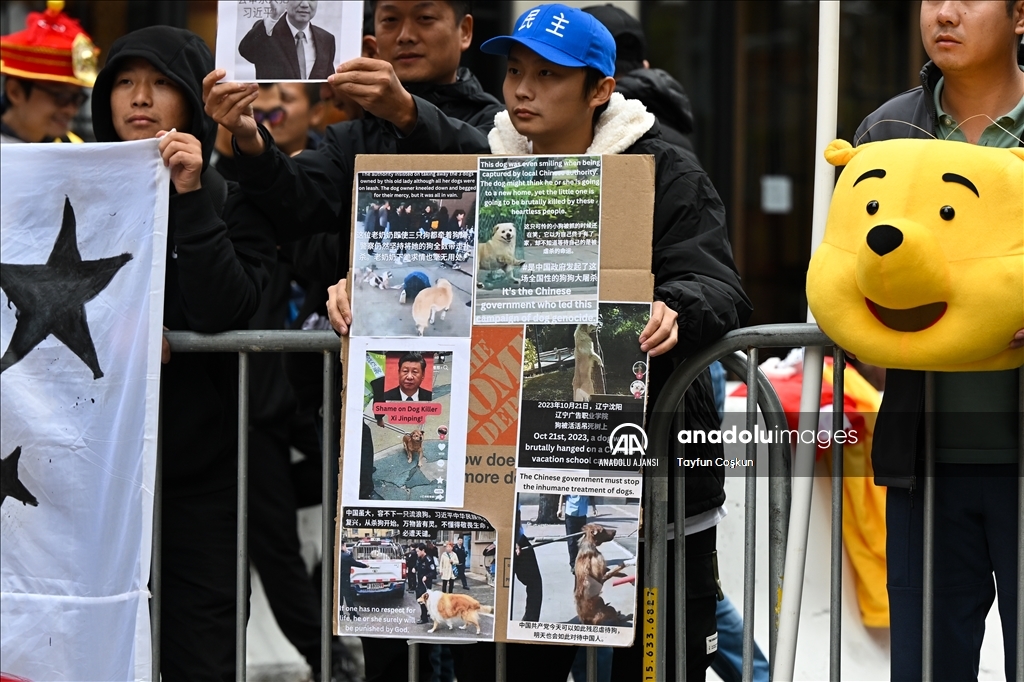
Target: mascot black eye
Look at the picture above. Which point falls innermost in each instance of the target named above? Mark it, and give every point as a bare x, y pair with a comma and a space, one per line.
947, 212
872, 207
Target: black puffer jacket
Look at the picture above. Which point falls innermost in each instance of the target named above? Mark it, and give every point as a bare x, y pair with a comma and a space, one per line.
219, 253
312, 192
665, 98
899, 429
692, 263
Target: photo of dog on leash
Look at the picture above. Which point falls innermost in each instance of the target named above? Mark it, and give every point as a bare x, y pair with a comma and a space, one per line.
580, 555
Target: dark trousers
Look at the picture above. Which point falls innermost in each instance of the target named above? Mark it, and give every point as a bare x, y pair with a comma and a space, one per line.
387, 660
448, 585
574, 524
701, 624
462, 576
526, 570
274, 546
197, 633
366, 465
975, 536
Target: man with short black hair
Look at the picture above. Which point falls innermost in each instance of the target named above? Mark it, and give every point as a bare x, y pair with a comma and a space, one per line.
414, 87
972, 91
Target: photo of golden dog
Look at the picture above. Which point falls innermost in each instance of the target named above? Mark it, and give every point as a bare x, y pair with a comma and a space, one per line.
413, 443
429, 301
586, 360
498, 253
591, 575
449, 608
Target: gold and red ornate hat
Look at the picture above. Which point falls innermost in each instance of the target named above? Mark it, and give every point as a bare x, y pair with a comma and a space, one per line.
53, 47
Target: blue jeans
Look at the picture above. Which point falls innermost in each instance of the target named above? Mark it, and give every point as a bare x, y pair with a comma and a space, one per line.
728, 664
604, 664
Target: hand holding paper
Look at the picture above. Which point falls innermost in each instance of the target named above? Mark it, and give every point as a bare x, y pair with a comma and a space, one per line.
339, 307
373, 85
230, 105
183, 154
661, 333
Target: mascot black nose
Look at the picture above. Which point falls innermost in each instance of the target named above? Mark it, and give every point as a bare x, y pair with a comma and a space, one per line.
884, 239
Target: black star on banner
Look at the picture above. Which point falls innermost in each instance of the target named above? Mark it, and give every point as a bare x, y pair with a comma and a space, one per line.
10, 484
51, 298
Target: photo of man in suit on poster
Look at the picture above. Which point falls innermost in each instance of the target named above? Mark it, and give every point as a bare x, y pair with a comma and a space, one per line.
286, 45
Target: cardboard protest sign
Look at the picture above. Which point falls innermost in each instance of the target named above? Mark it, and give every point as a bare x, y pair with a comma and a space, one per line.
515, 544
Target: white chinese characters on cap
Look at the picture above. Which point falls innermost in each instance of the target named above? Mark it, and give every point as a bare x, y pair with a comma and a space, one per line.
557, 24
528, 21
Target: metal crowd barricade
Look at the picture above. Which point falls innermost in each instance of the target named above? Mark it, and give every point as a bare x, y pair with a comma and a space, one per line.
667, 418
243, 343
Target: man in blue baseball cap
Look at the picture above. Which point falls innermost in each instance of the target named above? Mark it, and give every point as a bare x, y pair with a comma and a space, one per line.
560, 99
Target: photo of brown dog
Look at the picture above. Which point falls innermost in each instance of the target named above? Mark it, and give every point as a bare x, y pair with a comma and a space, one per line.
448, 608
591, 575
413, 443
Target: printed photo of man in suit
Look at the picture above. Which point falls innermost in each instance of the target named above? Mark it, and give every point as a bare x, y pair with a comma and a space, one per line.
412, 369
292, 48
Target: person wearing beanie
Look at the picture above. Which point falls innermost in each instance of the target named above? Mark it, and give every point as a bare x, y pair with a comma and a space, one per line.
636, 79
219, 255
560, 98
48, 66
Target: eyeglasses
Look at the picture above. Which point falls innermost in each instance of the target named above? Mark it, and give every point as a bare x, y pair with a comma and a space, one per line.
63, 98
274, 117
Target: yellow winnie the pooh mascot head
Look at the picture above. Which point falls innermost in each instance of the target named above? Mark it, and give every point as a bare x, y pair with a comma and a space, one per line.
922, 263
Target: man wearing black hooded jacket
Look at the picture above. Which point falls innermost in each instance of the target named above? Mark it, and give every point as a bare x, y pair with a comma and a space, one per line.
415, 86
219, 255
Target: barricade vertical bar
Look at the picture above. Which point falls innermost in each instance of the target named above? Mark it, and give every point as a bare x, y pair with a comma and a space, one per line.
656, 570
500, 665
242, 539
414, 662
928, 585
1020, 528
591, 664
750, 520
329, 449
679, 548
835, 622
156, 560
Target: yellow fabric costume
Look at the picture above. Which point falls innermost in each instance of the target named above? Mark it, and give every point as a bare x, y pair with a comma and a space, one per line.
922, 262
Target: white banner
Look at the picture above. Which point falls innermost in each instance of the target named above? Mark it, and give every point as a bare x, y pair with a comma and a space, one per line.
82, 247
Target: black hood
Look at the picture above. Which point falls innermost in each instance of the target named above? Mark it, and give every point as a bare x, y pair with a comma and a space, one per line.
180, 55
661, 94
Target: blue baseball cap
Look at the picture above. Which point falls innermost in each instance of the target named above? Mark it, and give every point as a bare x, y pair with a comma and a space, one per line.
562, 35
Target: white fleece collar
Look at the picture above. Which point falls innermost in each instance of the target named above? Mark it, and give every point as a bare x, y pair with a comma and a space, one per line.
624, 122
